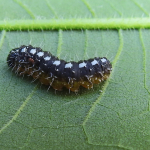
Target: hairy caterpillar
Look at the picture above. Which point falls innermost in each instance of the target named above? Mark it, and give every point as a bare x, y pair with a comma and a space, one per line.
58, 73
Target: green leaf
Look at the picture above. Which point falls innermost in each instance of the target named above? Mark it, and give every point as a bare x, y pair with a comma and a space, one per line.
115, 115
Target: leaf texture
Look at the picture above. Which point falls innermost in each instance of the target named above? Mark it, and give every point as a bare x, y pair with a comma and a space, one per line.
114, 115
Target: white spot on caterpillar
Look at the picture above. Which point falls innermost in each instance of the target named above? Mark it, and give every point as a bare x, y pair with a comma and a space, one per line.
47, 58
103, 60
23, 50
57, 62
94, 62
69, 65
33, 51
81, 65
40, 54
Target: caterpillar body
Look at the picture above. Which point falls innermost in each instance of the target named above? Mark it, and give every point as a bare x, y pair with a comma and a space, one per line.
58, 73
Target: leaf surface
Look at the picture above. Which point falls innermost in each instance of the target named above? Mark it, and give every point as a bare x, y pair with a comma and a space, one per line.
114, 115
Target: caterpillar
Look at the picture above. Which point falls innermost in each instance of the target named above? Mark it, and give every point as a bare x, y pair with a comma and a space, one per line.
58, 73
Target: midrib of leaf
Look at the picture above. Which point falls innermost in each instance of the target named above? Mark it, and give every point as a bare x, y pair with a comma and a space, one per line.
56, 24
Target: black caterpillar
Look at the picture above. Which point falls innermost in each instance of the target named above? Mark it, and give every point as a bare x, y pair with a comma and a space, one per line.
58, 73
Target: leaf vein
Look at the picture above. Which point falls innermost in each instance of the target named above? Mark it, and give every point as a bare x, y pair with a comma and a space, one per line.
57, 127
28, 138
144, 64
107, 82
89, 8
114, 7
139, 6
51, 8
25, 8
59, 43
18, 111
86, 44
118, 146
2, 38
